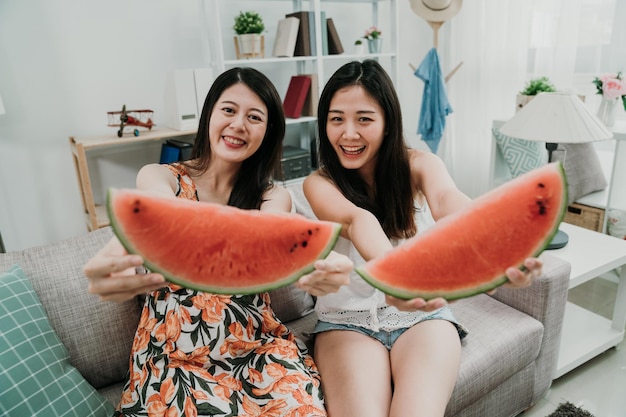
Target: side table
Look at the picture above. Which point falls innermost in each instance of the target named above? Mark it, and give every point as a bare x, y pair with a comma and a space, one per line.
586, 334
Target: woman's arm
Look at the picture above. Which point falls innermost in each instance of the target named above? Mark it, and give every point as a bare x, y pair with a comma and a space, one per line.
429, 174
276, 199
358, 225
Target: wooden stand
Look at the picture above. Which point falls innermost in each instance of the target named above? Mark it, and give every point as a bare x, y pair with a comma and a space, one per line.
242, 55
96, 215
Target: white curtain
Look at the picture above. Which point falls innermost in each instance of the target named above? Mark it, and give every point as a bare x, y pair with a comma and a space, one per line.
503, 44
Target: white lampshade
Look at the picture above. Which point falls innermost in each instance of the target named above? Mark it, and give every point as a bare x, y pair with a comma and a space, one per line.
559, 117
1, 106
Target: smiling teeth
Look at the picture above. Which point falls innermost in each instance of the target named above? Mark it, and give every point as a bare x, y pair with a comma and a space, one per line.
234, 141
353, 150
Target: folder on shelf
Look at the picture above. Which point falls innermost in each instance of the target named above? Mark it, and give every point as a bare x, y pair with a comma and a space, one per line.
175, 150
303, 42
295, 97
286, 37
312, 37
334, 43
324, 26
312, 99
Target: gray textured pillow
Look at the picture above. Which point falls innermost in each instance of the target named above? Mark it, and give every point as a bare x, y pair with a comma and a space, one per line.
291, 303
97, 334
583, 169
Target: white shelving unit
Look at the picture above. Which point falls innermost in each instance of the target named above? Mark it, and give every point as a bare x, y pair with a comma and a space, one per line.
218, 18
586, 334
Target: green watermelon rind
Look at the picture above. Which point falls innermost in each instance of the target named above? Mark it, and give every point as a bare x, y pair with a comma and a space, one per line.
448, 295
488, 285
279, 283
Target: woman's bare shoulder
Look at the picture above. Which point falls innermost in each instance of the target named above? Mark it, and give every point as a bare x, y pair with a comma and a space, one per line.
276, 198
420, 160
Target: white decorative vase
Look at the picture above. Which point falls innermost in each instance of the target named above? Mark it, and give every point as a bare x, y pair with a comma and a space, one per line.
359, 49
250, 44
606, 111
375, 45
521, 100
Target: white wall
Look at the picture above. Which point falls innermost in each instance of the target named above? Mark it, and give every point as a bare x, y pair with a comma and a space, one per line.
64, 64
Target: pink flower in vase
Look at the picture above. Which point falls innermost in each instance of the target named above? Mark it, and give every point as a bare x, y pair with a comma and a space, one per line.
613, 88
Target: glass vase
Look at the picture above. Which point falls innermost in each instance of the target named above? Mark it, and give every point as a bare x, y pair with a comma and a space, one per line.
606, 111
375, 45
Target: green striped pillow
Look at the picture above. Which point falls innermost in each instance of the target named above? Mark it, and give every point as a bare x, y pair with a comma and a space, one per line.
520, 155
36, 376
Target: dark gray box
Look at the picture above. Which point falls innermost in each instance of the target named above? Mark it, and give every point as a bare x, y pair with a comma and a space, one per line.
296, 162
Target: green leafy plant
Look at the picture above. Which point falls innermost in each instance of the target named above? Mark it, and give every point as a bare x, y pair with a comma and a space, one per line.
538, 85
358, 42
248, 22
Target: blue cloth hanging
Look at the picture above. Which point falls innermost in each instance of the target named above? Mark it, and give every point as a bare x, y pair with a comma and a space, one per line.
435, 105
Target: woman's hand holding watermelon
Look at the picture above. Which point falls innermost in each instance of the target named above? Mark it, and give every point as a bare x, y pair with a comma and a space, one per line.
520, 279
329, 275
112, 276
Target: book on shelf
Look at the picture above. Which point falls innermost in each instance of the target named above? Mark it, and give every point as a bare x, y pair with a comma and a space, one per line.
312, 99
324, 26
312, 37
286, 37
303, 42
334, 43
299, 87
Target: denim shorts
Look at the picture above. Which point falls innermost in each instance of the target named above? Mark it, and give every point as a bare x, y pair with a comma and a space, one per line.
388, 338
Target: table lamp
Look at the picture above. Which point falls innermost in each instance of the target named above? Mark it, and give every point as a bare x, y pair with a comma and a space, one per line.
553, 118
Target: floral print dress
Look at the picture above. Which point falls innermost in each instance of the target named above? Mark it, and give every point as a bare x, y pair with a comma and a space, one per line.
197, 354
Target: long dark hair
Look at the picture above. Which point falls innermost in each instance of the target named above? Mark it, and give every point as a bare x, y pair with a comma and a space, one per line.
391, 200
256, 172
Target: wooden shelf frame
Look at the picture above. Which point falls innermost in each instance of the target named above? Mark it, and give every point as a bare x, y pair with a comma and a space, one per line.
96, 215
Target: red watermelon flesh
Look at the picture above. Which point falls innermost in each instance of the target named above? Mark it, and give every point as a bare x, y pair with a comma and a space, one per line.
217, 248
468, 252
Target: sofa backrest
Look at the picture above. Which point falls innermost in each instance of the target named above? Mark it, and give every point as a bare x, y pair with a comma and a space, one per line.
98, 335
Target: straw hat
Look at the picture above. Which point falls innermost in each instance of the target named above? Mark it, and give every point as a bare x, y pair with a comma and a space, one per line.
436, 10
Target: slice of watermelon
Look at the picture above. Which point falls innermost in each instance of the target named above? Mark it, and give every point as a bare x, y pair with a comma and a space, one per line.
468, 252
217, 248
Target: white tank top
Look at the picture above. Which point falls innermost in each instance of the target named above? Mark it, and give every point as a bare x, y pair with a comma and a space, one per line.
360, 304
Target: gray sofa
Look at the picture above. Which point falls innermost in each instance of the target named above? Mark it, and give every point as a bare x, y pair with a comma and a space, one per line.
507, 360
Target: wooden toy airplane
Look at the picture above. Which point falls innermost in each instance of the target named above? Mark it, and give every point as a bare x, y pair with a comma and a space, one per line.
121, 119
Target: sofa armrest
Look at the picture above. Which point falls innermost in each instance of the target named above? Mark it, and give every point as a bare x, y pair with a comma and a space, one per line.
544, 300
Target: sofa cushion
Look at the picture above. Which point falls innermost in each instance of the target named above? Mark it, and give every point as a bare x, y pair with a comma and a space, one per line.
583, 169
520, 155
291, 303
98, 335
498, 334
36, 376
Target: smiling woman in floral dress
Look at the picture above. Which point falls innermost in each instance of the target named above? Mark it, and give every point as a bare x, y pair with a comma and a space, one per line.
205, 354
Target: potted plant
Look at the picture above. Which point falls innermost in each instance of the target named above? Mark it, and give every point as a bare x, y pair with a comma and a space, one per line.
532, 88
612, 89
249, 42
374, 39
